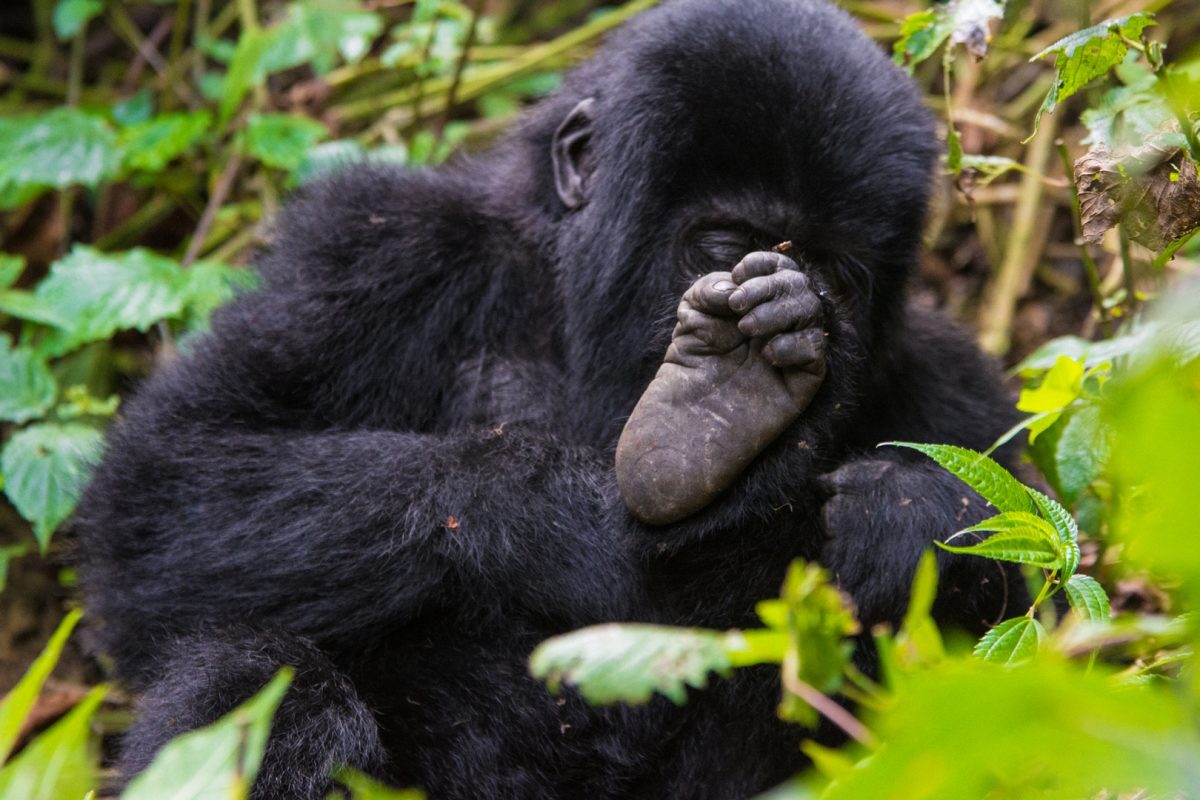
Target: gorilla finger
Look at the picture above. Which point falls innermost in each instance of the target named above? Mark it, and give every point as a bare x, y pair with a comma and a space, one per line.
780, 316
760, 264
710, 293
796, 349
755, 291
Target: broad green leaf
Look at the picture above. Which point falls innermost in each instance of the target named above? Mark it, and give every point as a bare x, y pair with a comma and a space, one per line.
281, 140
218, 761
963, 22
103, 293
1081, 451
1064, 526
45, 468
71, 15
17, 703
27, 389
985, 476
1088, 54
316, 32
62, 762
921, 34
1046, 730
363, 788
1060, 387
1088, 598
25, 305
1013, 641
629, 662
8, 554
11, 268
152, 145
54, 150
1023, 545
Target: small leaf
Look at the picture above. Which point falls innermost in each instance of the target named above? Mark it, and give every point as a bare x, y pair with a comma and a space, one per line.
985, 476
281, 140
1087, 54
45, 468
152, 145
103, 293
134, 110
60, 763
1060, 387
1024, 545
1013, 641
1088, 598
963, 22
245, 70
1064, 526
363, 788
27, 389
217, 761
17, 703
628, 662
55, 150
1081, 452
71, 15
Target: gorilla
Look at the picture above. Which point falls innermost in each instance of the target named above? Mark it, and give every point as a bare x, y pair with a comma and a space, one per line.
398, 465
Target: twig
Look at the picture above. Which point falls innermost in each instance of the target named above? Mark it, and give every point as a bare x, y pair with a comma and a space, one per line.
215, 200
824, 705
459, 66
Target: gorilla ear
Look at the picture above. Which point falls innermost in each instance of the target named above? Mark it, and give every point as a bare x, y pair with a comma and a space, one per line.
571, 153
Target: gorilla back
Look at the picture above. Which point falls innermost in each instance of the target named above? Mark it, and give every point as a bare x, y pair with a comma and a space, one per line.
391, 466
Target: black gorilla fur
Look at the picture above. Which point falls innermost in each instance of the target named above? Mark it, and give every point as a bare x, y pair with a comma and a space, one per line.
391, 466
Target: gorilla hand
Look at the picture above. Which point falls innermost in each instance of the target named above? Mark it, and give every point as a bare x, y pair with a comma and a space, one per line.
746, 358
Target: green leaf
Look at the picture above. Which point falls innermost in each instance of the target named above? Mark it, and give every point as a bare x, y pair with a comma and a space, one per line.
921, 34
45, 468
27, 389
819, 621
209, 286
1020, 537
316, 32
1081, 452
17, 703
1064, 527
1088, 54
25, 305
135, 109
70, 16
1013, 641
55, 150
60, 763
11, 268
1088, 598
918, 641
1061, 386
217, 761
963, 22
281, 140
246, 69
629, 662
363, 788
152, 145
985, 476
103, 293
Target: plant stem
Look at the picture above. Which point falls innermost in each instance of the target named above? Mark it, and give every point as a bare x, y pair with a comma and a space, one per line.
459, 66
824, 705
220, 191
1131, 300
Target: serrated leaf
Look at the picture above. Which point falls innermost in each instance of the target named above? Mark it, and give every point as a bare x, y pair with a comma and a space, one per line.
71, 15
1026, 544
628, 662
152, 145
1088, 54
281, 140
19, 701
25, 305
58, 149
45, 468
1088, 598
27, 388
1081, 452
217, 761
985, 476
102, 293
60, 763
1012, 642
1064, 527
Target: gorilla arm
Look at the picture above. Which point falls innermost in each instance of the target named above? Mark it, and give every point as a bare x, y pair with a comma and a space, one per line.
745, 360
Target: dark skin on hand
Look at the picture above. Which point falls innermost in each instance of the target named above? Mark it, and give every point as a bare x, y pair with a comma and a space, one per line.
745, 360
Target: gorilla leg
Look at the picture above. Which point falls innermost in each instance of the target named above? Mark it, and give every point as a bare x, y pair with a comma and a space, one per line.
321, 723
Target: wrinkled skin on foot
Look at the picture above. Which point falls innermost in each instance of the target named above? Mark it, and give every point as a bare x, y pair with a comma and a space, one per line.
745, 360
